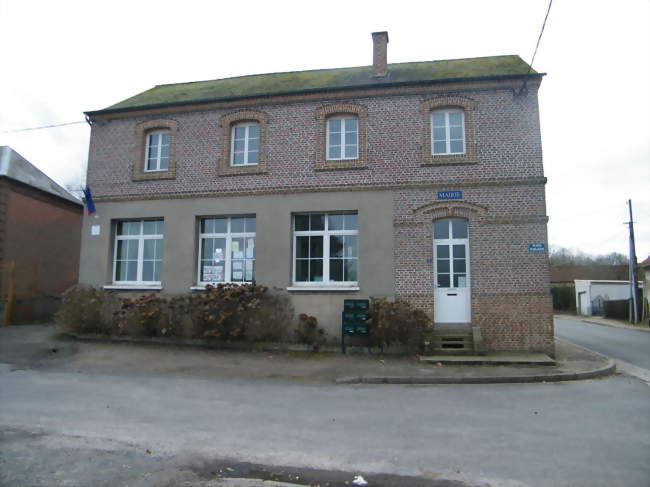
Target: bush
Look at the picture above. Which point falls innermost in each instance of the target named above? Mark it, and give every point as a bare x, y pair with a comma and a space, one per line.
144, 316
564, 297
227, 312
309, 333
617, 309
234, 312
86, 309
397, 322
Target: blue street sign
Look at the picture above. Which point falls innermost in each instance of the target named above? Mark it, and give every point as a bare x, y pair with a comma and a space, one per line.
537, 247
450, 195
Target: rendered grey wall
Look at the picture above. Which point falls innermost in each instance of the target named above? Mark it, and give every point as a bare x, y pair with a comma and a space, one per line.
273, 244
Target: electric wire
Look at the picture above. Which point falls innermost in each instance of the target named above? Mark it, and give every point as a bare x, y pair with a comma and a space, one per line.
541, 33
524, 87
41, 127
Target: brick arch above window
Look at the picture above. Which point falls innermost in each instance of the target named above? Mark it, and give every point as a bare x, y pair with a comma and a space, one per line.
227, 123
450, 209
439, 103
323, 114
142, 130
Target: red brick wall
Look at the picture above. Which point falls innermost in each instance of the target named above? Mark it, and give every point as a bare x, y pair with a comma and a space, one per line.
42, 237
501, 178
506, 136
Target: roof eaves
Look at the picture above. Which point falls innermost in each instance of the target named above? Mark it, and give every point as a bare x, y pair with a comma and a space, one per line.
315, 90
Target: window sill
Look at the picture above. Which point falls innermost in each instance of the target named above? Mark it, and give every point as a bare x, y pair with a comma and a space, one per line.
215, 284
450, 159
334, 165
133, 287
229, 170
154, 175
324, 288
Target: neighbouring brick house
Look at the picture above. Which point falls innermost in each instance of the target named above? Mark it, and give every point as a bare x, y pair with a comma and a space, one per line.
40, 237
421, 181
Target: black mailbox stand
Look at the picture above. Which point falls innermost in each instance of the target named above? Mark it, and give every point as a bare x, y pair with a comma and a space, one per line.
354, 320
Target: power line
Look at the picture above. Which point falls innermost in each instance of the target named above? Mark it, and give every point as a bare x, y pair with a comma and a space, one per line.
41, 127
524, 88
541, 32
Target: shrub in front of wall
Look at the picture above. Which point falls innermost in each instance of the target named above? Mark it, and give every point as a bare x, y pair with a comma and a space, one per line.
227, 312
86, 309
397, 322
564, 297
309, 333
271, 319
145, 316
233, 312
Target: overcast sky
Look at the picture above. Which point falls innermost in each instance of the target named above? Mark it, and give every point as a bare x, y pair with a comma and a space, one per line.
61, 58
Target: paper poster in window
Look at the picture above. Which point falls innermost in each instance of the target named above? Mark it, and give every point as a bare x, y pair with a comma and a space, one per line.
210, 273
218, 255
236, 252
237, 275
250, 248
237, 265
219, 274
249, 270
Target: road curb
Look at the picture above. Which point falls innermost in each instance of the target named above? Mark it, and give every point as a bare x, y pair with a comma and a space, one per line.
607, 369
617, 325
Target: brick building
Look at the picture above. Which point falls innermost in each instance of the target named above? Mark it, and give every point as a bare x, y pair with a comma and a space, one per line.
40, 229
422, 181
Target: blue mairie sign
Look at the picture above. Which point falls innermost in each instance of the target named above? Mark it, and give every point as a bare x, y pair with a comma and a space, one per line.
537, 247
450, 195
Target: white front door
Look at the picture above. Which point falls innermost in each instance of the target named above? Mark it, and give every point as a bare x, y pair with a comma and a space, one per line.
452, 296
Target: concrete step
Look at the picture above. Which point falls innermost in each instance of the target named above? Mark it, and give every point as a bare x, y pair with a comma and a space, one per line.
456, 343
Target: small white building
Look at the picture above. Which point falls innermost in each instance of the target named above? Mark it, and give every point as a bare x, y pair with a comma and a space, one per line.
591, 295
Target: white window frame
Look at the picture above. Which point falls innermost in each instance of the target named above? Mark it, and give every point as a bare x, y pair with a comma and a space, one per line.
141, 238
227, 251
447, 112
159, 154
326, 233
451, 241
247, 126
344, 141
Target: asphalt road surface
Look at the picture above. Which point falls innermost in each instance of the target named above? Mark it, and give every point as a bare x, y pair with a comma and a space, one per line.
99, 429
632, 346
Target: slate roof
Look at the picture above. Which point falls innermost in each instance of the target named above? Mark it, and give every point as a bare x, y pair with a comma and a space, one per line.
494, 67
16, 167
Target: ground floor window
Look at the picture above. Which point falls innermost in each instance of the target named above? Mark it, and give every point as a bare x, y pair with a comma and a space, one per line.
226, 250
138, 251
325, 248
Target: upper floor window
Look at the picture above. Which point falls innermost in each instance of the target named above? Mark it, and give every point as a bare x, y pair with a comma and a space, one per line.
245, 144
447, 131
341, 143
227, 250
138, 251
342, 138
244, 138
155, 141
157, 150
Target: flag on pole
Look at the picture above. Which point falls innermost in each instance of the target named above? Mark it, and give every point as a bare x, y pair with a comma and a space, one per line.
88, 199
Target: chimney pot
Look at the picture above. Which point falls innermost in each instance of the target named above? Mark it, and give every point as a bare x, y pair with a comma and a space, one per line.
379, 54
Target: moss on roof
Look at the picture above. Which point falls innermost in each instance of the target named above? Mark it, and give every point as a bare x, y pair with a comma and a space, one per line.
323, 80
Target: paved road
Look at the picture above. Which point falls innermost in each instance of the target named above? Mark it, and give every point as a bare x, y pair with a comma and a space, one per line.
65, 428
632, 346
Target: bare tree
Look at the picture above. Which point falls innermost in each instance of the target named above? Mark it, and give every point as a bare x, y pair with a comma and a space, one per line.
564, 256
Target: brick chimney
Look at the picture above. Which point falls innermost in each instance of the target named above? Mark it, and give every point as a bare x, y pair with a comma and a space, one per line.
379, 54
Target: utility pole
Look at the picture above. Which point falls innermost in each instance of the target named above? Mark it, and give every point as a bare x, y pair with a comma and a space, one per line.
634, 315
